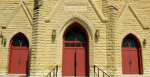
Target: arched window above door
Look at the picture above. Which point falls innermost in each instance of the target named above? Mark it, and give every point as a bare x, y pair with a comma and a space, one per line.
129, 42
19, 40
75, 33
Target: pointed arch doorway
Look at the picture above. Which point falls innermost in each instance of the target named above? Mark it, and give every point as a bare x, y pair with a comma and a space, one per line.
18, 54
75, 51
131, 55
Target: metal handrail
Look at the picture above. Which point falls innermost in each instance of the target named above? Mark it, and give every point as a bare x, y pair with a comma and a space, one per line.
53, 72
97, 72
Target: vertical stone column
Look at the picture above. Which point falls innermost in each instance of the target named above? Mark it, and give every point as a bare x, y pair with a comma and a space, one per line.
108, 11
34, 38
43, 50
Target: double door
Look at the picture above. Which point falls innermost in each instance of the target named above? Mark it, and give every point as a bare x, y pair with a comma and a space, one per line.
74, 59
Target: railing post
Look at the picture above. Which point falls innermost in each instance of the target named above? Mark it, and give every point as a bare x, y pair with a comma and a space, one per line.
50, 74
94, 71
98, 72
53, 72
56, 70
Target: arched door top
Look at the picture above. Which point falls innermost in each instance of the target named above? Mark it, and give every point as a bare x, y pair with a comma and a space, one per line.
19, 40
85, 24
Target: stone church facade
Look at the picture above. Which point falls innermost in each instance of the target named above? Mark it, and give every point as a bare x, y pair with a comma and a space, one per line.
93, 38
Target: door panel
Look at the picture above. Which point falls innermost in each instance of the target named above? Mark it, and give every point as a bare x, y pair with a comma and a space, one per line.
130, 61
125, 61
18, 61
68, 61
80, 61
134, 60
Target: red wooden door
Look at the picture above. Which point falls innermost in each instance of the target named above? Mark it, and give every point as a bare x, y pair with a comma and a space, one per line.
74, 60
18, 61
130, 61
80, 61
68, 61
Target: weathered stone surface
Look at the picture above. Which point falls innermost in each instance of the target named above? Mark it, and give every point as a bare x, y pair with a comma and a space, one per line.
113, 18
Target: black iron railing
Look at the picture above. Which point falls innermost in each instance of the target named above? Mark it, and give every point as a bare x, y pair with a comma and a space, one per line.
99, 72
53, 72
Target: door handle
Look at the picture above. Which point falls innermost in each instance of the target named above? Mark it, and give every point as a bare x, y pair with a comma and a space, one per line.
130, 62
19, 62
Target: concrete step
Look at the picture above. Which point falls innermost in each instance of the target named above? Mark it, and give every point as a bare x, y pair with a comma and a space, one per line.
13, 75
134, 75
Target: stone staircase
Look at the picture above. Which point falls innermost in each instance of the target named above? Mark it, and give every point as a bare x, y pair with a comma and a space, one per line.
13, 75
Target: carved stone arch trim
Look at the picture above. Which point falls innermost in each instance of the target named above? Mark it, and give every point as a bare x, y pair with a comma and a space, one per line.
86, 26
